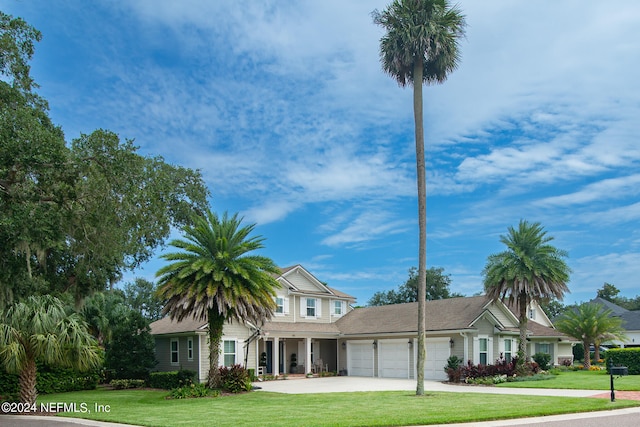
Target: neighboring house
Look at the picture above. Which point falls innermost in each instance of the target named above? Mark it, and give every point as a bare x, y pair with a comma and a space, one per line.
631, 322
315, 327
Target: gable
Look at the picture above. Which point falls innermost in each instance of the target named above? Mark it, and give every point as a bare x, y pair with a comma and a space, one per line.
303, 281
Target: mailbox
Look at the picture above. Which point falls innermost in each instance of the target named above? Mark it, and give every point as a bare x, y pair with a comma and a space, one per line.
619, 370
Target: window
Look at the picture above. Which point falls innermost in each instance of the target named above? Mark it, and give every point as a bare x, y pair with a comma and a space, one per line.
311, 307
484, 350
508, 352
337, 308
174, 352
543, 348
229, 353
190, 348
279, 305
532, 313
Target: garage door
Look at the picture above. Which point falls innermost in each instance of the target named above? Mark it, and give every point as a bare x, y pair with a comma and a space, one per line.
438, 352
360, 358
393, 359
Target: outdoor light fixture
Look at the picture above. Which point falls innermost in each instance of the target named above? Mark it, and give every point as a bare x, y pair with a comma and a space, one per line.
344, 345
410, 343
375, 344
451, 343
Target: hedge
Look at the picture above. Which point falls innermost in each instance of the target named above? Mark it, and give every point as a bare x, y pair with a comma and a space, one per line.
49, 380
629, 357
172, 379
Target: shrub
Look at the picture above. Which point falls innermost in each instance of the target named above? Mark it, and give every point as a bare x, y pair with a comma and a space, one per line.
542, 359
629, 357
172, 379
454, 369
235, 379
50, 380
128, 383
131, 351
578, 352
193, 391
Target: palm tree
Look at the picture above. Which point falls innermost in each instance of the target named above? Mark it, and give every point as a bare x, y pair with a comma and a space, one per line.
591, 324
420, 46
529, 270
214, 279
40, 329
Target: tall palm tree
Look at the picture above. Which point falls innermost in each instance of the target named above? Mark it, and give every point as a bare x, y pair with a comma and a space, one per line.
529, 270
591, 324
214, 278
40, 329
420, 46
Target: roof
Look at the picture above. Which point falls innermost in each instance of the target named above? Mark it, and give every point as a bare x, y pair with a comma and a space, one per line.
616, 309
301, 327
446, 314
168, 326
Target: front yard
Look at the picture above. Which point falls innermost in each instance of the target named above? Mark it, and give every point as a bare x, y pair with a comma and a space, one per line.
151, 408
581, 380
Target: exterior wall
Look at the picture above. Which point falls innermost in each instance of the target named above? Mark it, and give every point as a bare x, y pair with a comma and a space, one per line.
502, 317
301, 282
238, 332
163, 353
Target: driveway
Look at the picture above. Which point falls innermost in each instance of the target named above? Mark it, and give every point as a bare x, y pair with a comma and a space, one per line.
338, 384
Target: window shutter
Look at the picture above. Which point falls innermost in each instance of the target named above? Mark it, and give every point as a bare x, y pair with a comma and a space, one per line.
490, 351
318, 307
286, 306
344, 307
303, 307
476, 350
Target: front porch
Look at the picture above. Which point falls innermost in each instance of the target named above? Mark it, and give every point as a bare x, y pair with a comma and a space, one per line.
296, 355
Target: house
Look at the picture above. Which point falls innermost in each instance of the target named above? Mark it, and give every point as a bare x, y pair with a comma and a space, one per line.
631, 322
315, 327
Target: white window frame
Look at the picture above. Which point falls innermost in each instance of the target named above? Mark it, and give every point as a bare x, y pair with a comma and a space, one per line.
532, 313
314, 308
279, 306
176, 351
190, 349
225, 354
481, 352
338, 308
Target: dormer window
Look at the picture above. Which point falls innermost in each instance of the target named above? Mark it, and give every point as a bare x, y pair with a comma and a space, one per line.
279, 305
337, 308
532, 313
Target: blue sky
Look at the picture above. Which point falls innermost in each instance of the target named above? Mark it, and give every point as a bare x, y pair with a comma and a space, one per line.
284, 108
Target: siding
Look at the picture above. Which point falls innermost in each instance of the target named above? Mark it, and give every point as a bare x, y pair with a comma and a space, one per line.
163, 354
301, 282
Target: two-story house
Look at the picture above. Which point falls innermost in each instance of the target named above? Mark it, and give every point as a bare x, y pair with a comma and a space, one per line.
315, 327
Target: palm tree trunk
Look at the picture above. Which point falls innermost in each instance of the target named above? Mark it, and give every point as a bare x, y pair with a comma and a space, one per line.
27, 379
522, 344
587, 355
422, 223
216, 323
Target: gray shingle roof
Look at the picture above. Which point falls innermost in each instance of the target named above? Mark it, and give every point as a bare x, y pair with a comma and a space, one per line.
448, 314
168, 326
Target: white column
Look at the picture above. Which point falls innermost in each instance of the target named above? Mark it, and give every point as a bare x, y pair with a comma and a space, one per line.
307, 366
276, 356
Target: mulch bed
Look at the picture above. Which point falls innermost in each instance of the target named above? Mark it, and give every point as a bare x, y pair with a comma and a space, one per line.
624, 395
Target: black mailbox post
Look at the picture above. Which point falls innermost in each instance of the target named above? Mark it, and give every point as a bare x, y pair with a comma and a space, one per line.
616, 370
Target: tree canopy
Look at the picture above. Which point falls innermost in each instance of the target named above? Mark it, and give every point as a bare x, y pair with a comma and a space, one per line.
591, 324
74, 216
438, 285
529, 270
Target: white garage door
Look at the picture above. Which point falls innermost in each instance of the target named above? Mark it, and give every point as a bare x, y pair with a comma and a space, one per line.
360, 358
393, 359
438, 352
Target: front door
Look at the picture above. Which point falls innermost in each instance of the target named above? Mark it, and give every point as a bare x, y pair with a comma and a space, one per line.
269, 357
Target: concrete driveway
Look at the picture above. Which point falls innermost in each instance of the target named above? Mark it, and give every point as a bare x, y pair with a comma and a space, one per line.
345, 384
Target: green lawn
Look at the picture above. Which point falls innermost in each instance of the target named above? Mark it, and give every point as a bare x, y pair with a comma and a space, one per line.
150, 408
585, 380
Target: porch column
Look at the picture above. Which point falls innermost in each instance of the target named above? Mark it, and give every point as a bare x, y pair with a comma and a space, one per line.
276, 356
307, 366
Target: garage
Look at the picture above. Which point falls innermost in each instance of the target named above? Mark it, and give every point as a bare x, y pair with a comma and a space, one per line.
393, 359
438, 351
360, 358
